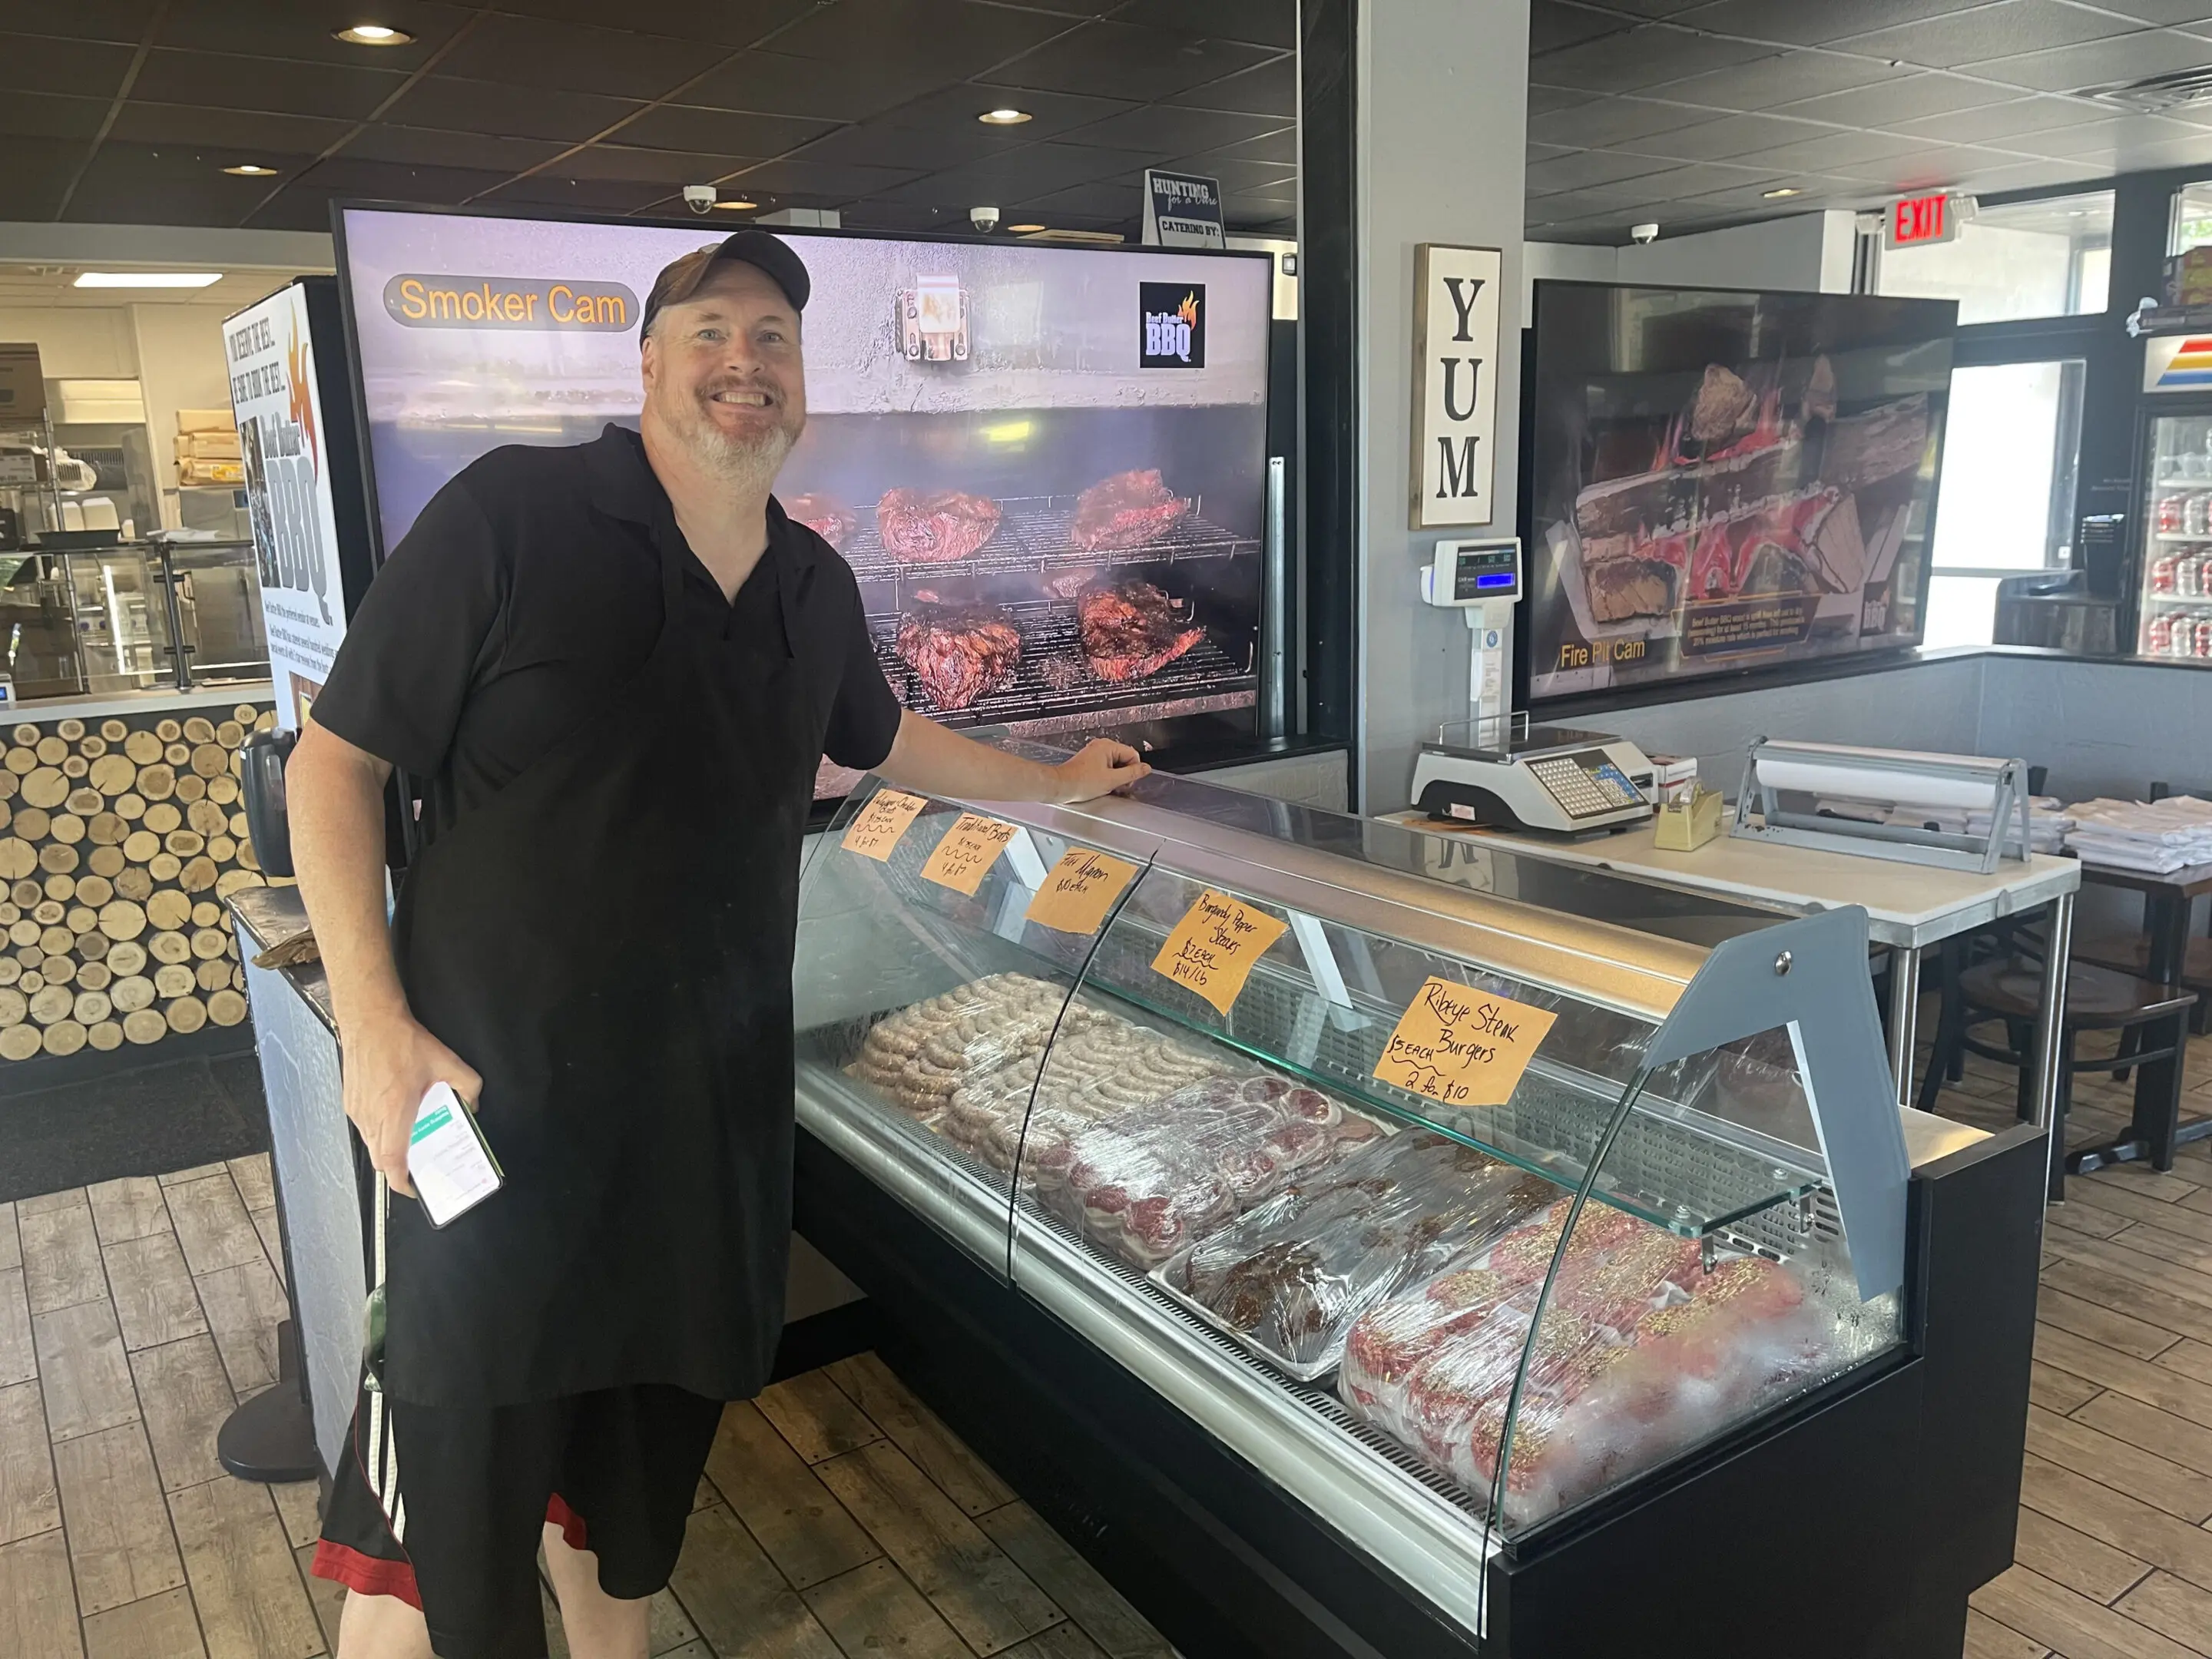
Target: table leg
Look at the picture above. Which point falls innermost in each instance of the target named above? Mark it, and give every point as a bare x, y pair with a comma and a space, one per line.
1903, 1010
2169, 936
2049, 1049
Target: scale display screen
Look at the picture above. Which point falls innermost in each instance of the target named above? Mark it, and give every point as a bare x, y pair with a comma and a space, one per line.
1478, 573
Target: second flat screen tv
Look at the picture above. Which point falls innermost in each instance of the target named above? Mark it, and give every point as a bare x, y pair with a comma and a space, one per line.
1723, 481
1046, 465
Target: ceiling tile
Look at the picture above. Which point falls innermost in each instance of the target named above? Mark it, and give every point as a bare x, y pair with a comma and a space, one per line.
89, 68
229, 129
1543, 100
1094, 200
722, 23
1897, 100
1263, 22
534, 53
1989, 31
1841, 152
1270, 89
301, 29
2003, 121
775, 83
2103, 62
1766, 82
1554, 23
1280, 145
2161, 11
1611, 120
1732, 135
438, 101
580, 195
39, 171
134, 184
1589, 167
1188, 131
79, 20
1122, 62
1706, 178
381, 141
881, 142
2114, 133
1235, 176
719, 131
48, 115
1802, 23
842, 180
1648, 56
937, 40
662, 167
225, 82
395, 181
1052, 114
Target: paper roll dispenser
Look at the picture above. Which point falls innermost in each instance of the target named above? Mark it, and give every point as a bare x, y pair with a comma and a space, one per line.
261, 783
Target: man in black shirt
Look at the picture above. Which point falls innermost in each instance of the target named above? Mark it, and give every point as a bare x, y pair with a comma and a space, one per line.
618, 665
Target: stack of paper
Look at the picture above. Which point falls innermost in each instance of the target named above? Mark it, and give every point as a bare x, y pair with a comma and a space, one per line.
2156, 837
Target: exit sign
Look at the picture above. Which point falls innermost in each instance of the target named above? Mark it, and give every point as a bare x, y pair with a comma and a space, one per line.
1920, 220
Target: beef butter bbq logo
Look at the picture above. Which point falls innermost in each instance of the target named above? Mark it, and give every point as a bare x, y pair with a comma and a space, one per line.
1173, 316
510, 302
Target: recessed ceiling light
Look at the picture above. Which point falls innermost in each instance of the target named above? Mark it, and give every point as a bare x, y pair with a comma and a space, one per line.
1003, 117
373, 35
1023, 230
1776, 195
737, 207
251, 170
147, 278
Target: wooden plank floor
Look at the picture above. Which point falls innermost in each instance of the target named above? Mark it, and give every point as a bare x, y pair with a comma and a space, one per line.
838, 1518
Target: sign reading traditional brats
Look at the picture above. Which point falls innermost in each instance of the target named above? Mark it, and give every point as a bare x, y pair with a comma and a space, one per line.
1463, 1045
1079, 891
1455, 299
969, 849
1214, 948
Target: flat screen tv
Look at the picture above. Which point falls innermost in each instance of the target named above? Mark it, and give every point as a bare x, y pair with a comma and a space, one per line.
1046, 465
1726, 481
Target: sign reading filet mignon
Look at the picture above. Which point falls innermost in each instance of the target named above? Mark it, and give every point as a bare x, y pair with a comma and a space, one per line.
926, 526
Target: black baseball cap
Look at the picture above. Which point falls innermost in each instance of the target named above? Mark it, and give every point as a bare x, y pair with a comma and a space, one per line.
679, 280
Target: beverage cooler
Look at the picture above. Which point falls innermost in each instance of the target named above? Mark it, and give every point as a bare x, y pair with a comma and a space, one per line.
2170, 582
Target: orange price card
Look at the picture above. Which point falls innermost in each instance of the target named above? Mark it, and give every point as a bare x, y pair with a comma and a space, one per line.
969, 849
876, 829
1463, 1047
1213, 948
1079, 891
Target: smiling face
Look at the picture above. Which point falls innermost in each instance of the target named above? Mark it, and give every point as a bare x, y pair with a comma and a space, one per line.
724, 378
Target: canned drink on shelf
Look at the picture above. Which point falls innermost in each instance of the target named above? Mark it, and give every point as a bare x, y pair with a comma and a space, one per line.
2165, 574
2204, 635
2158, 635
2188, 574
2169, 510
2196, 515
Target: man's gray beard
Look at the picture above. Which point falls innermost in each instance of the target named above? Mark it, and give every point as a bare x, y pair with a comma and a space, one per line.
748, 468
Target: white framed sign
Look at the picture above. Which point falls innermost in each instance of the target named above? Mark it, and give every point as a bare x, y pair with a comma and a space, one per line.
1182, 210
1455, 297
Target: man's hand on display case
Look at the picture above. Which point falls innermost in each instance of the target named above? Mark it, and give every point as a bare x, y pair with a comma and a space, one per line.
1099, 767
391, 1063
937, 762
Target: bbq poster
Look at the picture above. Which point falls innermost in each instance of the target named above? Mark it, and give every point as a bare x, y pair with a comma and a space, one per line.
277, 402
1055, 522
1727, 480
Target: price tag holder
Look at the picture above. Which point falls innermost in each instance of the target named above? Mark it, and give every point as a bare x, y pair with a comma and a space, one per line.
876, 829
969, 850
1214, 948
1077, 892
1461, 1046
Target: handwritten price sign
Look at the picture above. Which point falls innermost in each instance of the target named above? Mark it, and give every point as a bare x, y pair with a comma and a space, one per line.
1463, 1047
1079, 892
1214, 947
877, 829
969, 849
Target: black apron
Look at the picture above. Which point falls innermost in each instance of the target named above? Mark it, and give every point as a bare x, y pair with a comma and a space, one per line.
608, 941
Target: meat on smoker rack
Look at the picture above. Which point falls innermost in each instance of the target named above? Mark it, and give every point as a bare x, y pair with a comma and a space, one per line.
824, 515
1126, 510
1131, 631
934, 526
959, 652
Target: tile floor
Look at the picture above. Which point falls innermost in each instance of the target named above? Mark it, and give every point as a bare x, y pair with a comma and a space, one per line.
839, 1517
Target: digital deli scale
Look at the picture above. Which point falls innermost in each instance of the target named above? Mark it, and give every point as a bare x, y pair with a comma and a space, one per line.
1486, 770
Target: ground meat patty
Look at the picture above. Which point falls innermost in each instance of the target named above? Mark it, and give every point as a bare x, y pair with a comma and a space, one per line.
924, 526
959, 652
824, 515
1130, 630
1126, 510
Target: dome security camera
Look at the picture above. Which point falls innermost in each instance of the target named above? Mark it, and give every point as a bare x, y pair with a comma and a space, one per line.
1644, 233
700, 198
983, 218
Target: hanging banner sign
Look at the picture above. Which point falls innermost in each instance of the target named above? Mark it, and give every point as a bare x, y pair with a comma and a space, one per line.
1182, 210
1455, 295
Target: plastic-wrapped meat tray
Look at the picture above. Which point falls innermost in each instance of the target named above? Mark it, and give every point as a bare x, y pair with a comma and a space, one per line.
1286, 1280
1147, 1181
1641, 1354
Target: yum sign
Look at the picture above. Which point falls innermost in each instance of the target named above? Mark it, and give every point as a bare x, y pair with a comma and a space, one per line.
1455, 295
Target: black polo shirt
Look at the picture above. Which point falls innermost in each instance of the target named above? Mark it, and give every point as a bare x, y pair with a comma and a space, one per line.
530, 588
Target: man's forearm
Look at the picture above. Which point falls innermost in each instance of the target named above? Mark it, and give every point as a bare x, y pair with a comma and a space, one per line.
336, 794
928, 757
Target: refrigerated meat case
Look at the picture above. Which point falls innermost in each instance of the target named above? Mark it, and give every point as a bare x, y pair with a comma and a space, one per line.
1694, 1334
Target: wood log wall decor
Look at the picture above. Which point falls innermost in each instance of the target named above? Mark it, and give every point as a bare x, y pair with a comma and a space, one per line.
119, 839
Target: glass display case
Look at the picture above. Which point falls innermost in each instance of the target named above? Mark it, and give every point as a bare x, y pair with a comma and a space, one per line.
105, 619
1454, 1212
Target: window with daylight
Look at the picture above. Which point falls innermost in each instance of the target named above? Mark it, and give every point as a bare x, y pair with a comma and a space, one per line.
2051, 258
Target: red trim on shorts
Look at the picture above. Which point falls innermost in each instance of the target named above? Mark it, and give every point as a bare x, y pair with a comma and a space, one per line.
558, 1514
366, 1575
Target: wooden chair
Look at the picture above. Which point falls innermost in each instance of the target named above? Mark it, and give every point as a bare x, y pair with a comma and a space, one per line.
2097, 999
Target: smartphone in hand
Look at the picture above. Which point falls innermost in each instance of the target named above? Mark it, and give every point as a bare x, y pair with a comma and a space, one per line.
448, 1160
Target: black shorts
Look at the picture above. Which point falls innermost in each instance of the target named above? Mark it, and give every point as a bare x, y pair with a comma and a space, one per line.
464, 1494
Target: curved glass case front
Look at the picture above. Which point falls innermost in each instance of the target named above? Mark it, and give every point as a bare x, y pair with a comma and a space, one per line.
1395, 1148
